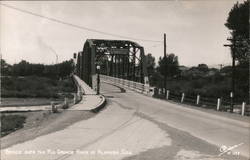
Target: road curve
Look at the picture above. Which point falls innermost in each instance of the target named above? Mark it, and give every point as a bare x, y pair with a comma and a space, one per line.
134, 126
215, 129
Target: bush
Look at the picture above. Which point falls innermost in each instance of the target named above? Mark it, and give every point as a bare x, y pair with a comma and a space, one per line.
33, 86
197, 83
214, 86
10, 123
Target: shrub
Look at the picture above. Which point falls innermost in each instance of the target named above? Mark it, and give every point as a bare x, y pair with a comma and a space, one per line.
33, 86
10, 123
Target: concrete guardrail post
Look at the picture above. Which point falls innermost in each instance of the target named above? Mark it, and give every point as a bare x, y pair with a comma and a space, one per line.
143, 88
198, 99
243, 108
66, 103
167, 94
218, 104
53, 107
155, 91
74, 100
182, 97
65, 100
78, 93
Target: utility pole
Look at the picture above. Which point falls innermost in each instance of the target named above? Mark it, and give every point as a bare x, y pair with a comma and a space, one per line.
98, 79
232, 46
165, 46
75, 62
165, 56
221, 65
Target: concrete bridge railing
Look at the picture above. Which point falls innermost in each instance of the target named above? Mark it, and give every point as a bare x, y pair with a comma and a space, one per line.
135, 86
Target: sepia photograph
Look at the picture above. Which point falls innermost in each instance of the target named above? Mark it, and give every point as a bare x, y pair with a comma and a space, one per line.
124, 80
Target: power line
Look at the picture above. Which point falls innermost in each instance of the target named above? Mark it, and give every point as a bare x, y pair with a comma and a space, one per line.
76, 26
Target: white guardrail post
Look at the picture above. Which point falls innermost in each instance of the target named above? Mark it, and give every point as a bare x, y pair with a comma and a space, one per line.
243, 108
218, 104
167, 95
182, 97
65, 100
198, 99
54, 107
74, 99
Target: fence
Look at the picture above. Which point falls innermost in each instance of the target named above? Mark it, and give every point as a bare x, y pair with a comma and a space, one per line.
67, 103
218, 104
136, 86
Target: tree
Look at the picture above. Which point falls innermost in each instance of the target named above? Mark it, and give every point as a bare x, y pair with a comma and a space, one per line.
5, 68
203, 67
24, 68
21, 69
238, 19
169, 65
150, 63
238, 23
65, 68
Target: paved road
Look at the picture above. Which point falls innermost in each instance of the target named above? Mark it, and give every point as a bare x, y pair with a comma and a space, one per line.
202, 127
133, 126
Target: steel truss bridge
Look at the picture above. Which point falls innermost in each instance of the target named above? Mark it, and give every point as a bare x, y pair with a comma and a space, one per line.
119, 60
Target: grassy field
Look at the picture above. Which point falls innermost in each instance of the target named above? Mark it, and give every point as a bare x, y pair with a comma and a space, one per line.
209, 87
30, 91
36, 87
15, 102
201, 86
11, 123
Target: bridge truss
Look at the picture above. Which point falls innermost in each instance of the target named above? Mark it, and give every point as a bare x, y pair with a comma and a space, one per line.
117, 58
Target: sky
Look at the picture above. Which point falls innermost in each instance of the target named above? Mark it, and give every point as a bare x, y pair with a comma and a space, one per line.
195, 29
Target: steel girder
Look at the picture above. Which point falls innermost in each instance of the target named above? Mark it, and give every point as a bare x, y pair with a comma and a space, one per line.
117, 58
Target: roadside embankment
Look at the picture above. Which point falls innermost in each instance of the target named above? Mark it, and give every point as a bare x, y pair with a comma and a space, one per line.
45, 122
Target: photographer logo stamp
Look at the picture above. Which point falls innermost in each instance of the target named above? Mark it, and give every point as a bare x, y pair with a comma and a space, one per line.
229, 150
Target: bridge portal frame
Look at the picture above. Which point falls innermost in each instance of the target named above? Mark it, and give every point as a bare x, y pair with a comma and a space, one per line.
118, 58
